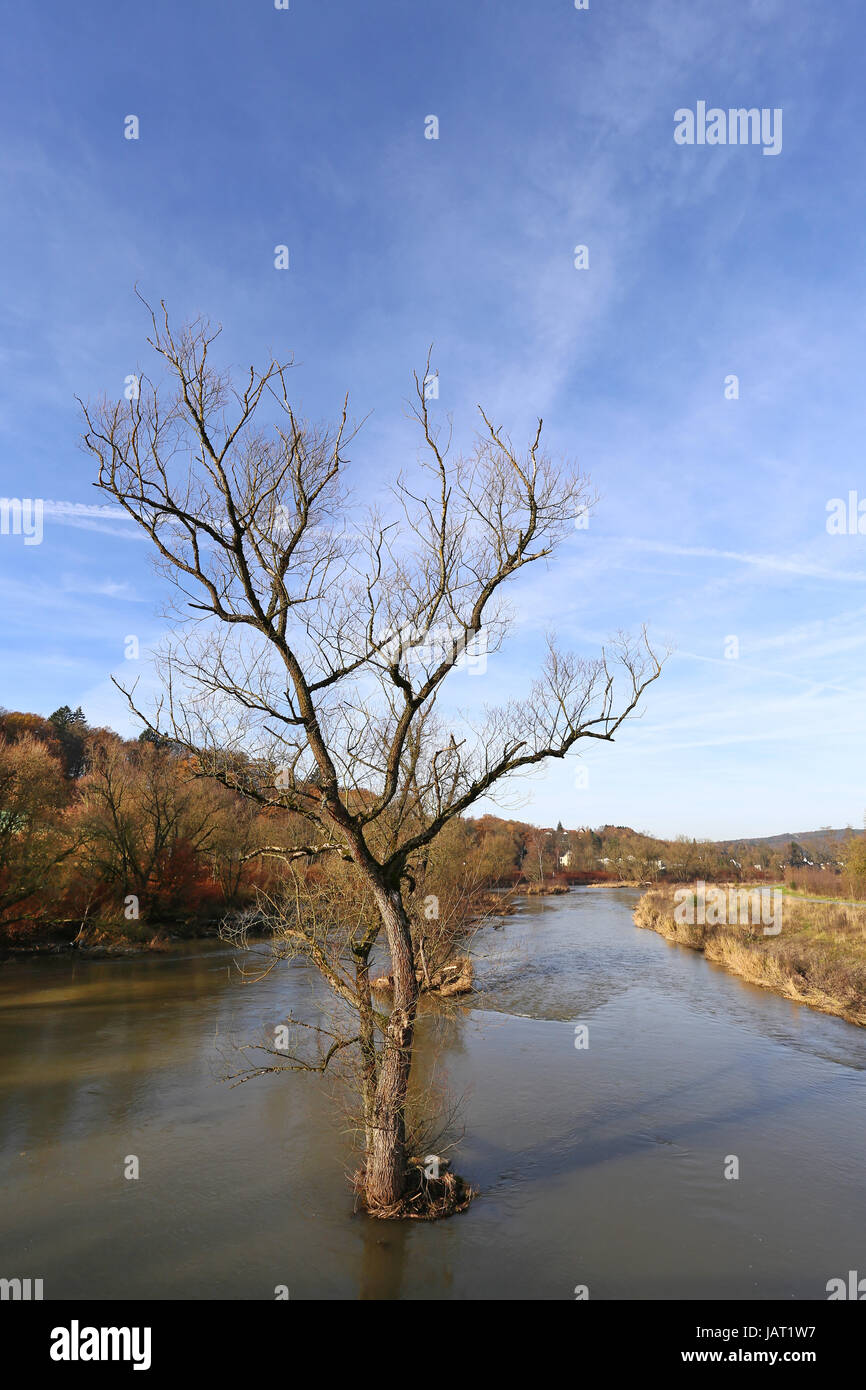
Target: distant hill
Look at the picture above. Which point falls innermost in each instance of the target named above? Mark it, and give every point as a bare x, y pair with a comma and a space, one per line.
803, 837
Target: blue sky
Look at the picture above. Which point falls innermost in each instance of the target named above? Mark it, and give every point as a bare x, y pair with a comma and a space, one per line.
306, 127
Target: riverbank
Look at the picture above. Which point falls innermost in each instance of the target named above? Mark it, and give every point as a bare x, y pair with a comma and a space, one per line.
818, 958
102, 940
106, 938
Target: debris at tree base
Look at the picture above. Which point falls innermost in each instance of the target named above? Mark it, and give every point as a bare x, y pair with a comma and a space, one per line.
454, 978
426, 1198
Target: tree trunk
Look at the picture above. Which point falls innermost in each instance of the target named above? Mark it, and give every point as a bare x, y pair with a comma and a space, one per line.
368, 1043
385, 1167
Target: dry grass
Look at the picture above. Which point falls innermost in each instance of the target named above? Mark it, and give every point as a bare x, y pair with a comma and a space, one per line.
819, 958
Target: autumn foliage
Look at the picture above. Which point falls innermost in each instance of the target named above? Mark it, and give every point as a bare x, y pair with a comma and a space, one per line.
98, 830
103, 834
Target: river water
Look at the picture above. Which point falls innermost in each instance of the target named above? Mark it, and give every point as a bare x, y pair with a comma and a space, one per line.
600, 1166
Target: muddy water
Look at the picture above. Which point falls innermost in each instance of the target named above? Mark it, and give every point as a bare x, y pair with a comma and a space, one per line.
600, 1166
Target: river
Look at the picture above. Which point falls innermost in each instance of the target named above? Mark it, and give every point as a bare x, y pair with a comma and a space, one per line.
600, 1166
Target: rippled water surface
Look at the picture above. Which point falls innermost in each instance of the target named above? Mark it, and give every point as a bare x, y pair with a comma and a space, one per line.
601, 1166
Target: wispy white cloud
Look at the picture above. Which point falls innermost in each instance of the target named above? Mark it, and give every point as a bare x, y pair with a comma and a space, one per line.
83, 516
782, 564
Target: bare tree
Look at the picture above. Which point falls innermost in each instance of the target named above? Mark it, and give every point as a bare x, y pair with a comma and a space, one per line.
313, 640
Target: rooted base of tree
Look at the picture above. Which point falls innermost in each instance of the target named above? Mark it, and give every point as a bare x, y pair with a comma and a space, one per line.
425, 1199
